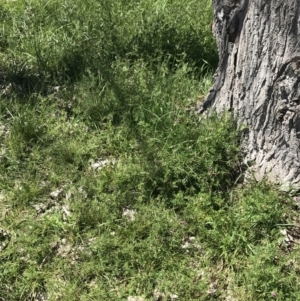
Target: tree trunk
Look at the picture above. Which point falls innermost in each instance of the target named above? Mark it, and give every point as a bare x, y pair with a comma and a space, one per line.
258, 79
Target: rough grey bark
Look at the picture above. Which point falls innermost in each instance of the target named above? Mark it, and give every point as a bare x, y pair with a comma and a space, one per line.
258, 79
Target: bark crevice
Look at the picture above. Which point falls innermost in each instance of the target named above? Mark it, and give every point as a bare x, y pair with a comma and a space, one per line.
258, 79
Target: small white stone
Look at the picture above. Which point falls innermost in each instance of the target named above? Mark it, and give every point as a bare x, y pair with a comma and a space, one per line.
173, 296
129, 214
135, 298
66, 211
68, 195
55, 194
158, 296
283, 232
186, 245
97, 165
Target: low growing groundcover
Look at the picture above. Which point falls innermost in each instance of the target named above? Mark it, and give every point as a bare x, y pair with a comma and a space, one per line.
111, 187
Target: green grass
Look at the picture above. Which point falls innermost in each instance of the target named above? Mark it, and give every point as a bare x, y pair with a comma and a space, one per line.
110, 186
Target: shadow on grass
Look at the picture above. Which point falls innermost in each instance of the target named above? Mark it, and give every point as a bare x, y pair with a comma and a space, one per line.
164, 42
44, 80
